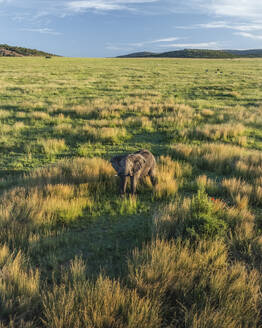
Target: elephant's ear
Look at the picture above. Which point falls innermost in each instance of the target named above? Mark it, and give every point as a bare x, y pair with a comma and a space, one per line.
138, 163
116, 162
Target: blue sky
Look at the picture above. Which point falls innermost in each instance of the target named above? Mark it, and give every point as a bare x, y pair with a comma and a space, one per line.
107, 28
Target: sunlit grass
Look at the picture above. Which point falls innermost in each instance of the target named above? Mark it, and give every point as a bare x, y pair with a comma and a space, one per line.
183, 253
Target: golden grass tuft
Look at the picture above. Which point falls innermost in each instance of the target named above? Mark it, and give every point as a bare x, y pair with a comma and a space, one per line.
168, 172
216, 157
105, 134
19, 286
238, 190
105, 303
40, 115
250, 166
207, 113
4, 113
208, 184
77, 170
56, 194
220, 131
168, 221
46, 206
18, 126
52, 146
196, 284
143, 123
64, 128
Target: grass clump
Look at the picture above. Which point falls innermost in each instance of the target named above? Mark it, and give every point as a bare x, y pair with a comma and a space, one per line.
106, 134
196, 286
224, 132
129, 205
19, 287
51, 147
169, 172
76, 302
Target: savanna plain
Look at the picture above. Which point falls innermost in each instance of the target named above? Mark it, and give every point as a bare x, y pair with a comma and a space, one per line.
186, 253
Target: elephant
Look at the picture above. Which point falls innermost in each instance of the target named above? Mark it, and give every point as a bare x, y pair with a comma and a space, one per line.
135, 166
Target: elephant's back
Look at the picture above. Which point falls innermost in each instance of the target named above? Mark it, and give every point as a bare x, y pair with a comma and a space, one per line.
146, 154
150, 161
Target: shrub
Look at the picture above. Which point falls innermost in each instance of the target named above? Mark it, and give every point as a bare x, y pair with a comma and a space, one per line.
194, 218
204, 221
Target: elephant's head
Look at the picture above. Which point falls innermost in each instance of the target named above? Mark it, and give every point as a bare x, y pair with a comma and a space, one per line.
128, 165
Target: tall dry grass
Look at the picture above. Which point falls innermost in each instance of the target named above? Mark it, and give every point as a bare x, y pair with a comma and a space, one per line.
210, 185
77, 302
52, 147
78, 170
168, 172
242, 192
50, 196
222, 158
196, 286
224, 132
105, 134
19, 288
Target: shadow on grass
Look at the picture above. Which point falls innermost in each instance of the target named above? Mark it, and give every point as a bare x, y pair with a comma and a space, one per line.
153, 141
103, 244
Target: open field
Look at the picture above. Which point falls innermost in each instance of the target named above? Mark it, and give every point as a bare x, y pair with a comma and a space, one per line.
74, 254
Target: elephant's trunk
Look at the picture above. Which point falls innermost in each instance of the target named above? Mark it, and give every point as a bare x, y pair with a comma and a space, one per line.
125, 170
123, 183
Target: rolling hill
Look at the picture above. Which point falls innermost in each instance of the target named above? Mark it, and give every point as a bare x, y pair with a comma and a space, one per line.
197, 53
13, 51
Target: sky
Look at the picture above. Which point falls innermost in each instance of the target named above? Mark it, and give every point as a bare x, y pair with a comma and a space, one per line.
108, 28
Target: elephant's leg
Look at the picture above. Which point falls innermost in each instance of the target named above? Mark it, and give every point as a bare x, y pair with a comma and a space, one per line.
123, 183
134, 180
153, 177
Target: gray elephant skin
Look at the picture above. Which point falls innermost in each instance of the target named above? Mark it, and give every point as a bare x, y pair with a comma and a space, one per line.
136, 166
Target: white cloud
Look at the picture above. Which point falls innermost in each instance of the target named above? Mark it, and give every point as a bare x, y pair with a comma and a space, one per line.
165, 40
212, 44
41, 30
97, 5
134, 45
249, 35
104, 5
252, 26
235, 8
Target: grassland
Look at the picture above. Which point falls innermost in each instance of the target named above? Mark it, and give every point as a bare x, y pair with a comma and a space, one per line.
73, 253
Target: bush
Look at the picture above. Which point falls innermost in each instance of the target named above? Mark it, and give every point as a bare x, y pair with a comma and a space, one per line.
194, 218
204, 221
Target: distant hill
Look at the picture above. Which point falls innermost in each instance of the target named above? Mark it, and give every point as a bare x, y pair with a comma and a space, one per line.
197, 53
140, 54
12, 51
247, 53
